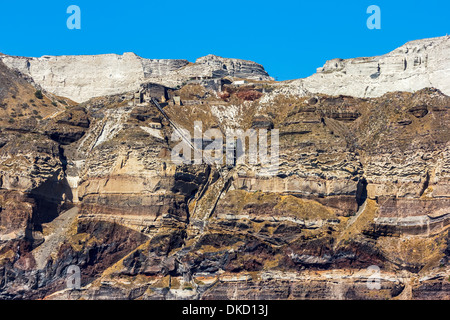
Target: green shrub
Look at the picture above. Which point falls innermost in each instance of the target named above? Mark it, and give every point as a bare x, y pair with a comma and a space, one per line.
39, 94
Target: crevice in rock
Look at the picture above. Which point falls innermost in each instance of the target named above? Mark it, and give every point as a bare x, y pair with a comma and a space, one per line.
361, 192
49, 207
51, 196
62, 158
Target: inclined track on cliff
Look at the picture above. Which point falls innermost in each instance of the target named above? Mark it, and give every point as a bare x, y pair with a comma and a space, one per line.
180, 132
174, 125
209, 194
211, 189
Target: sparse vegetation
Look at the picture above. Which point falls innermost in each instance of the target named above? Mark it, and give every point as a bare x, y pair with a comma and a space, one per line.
38, 94
249, 95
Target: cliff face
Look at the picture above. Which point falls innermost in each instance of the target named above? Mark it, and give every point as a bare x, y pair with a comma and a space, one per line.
363, 183
414, 66
83, 77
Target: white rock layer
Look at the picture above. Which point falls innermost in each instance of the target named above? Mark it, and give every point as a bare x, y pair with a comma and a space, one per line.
414, 66
83, 77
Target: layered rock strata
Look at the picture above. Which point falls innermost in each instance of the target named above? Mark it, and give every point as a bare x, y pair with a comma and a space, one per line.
362, 185
83, 77
411, 67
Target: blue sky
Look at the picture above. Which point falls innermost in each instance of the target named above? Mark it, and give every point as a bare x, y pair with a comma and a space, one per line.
290, 38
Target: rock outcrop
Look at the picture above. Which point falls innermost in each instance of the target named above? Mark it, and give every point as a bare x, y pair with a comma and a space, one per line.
414, 66
83, 77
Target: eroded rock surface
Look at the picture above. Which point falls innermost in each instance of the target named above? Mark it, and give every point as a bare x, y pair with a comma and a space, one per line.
362, 183
83, 77
414, 66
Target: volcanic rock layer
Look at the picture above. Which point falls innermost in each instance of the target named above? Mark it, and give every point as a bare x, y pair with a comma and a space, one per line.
362, 187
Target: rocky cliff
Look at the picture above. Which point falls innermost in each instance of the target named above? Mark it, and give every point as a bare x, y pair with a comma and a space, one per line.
414, 66
83, 77
363, 184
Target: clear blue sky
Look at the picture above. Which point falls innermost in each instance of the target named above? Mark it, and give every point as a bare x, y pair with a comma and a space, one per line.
290, 38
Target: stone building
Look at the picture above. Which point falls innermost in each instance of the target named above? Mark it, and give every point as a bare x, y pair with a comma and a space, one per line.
151, 90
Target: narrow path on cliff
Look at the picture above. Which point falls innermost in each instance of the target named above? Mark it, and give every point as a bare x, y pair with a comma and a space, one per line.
54, 115
59, 227
174, 125
206, 200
